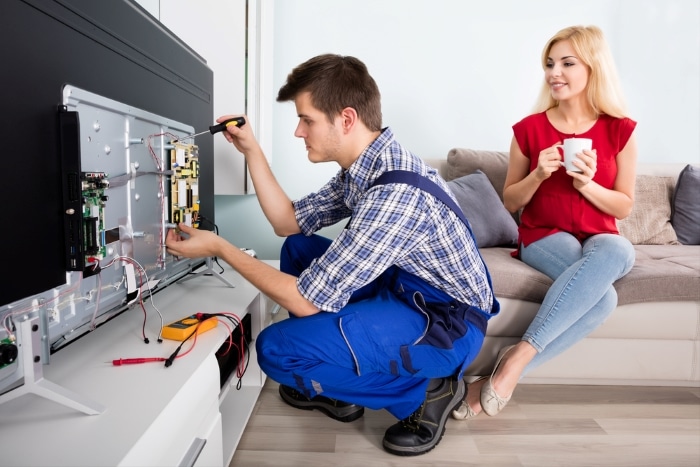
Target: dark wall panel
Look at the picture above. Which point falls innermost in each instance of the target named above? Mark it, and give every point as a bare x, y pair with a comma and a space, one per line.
113, 48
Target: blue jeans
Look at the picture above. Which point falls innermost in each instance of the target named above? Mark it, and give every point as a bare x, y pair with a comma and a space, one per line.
582, 296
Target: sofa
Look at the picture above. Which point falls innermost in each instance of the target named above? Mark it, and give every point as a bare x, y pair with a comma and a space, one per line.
653, 336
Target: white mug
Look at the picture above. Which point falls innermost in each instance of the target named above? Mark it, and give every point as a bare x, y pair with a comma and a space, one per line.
571, 147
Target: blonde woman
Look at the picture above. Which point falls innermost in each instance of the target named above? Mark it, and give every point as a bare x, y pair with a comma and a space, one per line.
568, 226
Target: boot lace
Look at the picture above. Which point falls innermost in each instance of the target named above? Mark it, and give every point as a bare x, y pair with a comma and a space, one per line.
413, 421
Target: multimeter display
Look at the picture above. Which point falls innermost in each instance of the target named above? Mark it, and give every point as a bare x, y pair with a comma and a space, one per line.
183, 328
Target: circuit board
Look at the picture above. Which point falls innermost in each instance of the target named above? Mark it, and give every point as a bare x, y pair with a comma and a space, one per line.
93, 186
184, 186
8, 352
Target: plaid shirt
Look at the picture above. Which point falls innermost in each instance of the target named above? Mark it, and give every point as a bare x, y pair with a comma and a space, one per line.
393, 224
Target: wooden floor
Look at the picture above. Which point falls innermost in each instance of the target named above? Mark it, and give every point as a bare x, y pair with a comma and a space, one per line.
541, 426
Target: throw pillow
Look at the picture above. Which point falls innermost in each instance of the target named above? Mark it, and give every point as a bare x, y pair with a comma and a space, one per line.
462, 161
649, 223
491, 222
685, 210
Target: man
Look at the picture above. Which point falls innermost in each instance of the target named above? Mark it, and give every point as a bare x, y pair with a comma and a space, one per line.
389, 314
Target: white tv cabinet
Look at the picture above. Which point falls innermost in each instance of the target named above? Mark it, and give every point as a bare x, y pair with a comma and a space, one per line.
155, 416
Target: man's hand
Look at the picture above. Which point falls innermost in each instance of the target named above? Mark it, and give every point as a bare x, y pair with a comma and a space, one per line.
198, 244
242, 137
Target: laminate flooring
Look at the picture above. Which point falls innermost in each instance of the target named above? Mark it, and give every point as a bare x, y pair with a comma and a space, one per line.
543, 425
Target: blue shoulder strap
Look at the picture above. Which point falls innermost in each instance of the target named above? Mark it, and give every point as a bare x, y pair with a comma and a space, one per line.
427, 185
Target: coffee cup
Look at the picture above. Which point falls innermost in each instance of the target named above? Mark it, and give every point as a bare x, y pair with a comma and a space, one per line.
572, 147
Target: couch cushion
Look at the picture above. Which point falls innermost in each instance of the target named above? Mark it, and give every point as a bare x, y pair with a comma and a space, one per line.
512, 278
649, 223
685, 209
661, 273
462, 161
491, 223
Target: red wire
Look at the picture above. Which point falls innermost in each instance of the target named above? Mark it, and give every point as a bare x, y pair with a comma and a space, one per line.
193, 342
229, 340
240, 368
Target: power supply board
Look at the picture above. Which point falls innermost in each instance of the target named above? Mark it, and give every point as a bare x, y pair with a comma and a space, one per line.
184, 186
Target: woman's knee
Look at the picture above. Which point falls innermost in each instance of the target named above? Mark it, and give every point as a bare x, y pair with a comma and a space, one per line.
616, 249
551, 255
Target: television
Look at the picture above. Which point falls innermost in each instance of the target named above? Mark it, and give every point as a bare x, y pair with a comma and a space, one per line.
99, 97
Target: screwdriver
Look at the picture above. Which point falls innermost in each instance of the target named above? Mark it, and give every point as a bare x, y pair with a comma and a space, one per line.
237, 121
131, 361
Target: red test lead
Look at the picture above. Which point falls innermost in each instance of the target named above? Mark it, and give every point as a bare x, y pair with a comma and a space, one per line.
131, 361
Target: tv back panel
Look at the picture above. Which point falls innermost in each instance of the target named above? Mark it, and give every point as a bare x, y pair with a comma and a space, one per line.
128, 77
126, 176
132, 180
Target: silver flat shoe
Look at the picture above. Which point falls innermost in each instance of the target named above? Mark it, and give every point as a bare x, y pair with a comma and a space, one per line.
491, 402
464, 412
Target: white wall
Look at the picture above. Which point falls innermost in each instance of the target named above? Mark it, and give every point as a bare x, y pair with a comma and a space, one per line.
461, 73
216, 30
455, 72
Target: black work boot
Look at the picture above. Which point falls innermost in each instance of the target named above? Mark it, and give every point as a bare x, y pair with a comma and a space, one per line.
423, 429
338, 410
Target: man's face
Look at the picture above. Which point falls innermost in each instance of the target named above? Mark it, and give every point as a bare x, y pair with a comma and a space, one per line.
322, 138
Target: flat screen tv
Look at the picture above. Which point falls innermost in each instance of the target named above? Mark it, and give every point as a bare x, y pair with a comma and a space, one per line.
96, 95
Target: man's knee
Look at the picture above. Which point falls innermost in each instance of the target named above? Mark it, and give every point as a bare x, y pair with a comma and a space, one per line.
299, 250
265, 344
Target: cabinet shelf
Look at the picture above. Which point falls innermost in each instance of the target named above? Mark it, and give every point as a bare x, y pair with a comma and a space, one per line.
153, 414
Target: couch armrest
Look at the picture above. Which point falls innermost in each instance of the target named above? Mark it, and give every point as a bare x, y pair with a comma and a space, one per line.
438, 163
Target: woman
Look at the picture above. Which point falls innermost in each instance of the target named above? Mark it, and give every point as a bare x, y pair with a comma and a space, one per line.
568, 226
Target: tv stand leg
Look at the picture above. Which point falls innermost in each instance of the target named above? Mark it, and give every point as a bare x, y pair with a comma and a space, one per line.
209, 270
34, 381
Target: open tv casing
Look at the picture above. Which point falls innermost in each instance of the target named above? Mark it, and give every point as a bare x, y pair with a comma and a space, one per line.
126, 77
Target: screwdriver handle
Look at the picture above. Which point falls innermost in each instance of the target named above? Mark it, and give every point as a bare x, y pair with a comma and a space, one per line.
238, 121
131, 361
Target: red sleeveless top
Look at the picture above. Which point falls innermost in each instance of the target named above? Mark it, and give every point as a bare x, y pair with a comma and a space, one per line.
556, 205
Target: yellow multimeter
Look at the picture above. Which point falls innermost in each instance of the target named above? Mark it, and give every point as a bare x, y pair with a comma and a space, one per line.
183, 328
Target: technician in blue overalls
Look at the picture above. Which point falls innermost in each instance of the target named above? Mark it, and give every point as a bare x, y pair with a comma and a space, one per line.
389, 314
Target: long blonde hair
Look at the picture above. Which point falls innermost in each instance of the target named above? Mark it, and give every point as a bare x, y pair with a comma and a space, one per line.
603, 91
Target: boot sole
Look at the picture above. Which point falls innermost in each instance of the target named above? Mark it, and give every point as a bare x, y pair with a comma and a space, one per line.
418, 450
345, 415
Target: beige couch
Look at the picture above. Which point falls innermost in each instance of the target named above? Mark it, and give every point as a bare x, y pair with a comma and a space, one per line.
652, 338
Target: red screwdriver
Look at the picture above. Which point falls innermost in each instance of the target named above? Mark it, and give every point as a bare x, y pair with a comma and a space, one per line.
131, 361
237, 121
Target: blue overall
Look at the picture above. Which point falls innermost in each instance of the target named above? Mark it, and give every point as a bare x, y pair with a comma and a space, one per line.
381, 350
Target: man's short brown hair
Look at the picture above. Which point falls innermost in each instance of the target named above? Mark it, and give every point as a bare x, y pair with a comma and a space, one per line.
334, 83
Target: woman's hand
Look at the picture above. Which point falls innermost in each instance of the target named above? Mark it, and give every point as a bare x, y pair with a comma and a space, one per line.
548, 162
587, 162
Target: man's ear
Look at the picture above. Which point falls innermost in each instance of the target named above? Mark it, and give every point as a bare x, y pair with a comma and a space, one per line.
348, 119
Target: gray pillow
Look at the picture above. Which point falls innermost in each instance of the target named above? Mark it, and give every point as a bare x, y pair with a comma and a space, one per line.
463, 161
685, 209
491, 222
